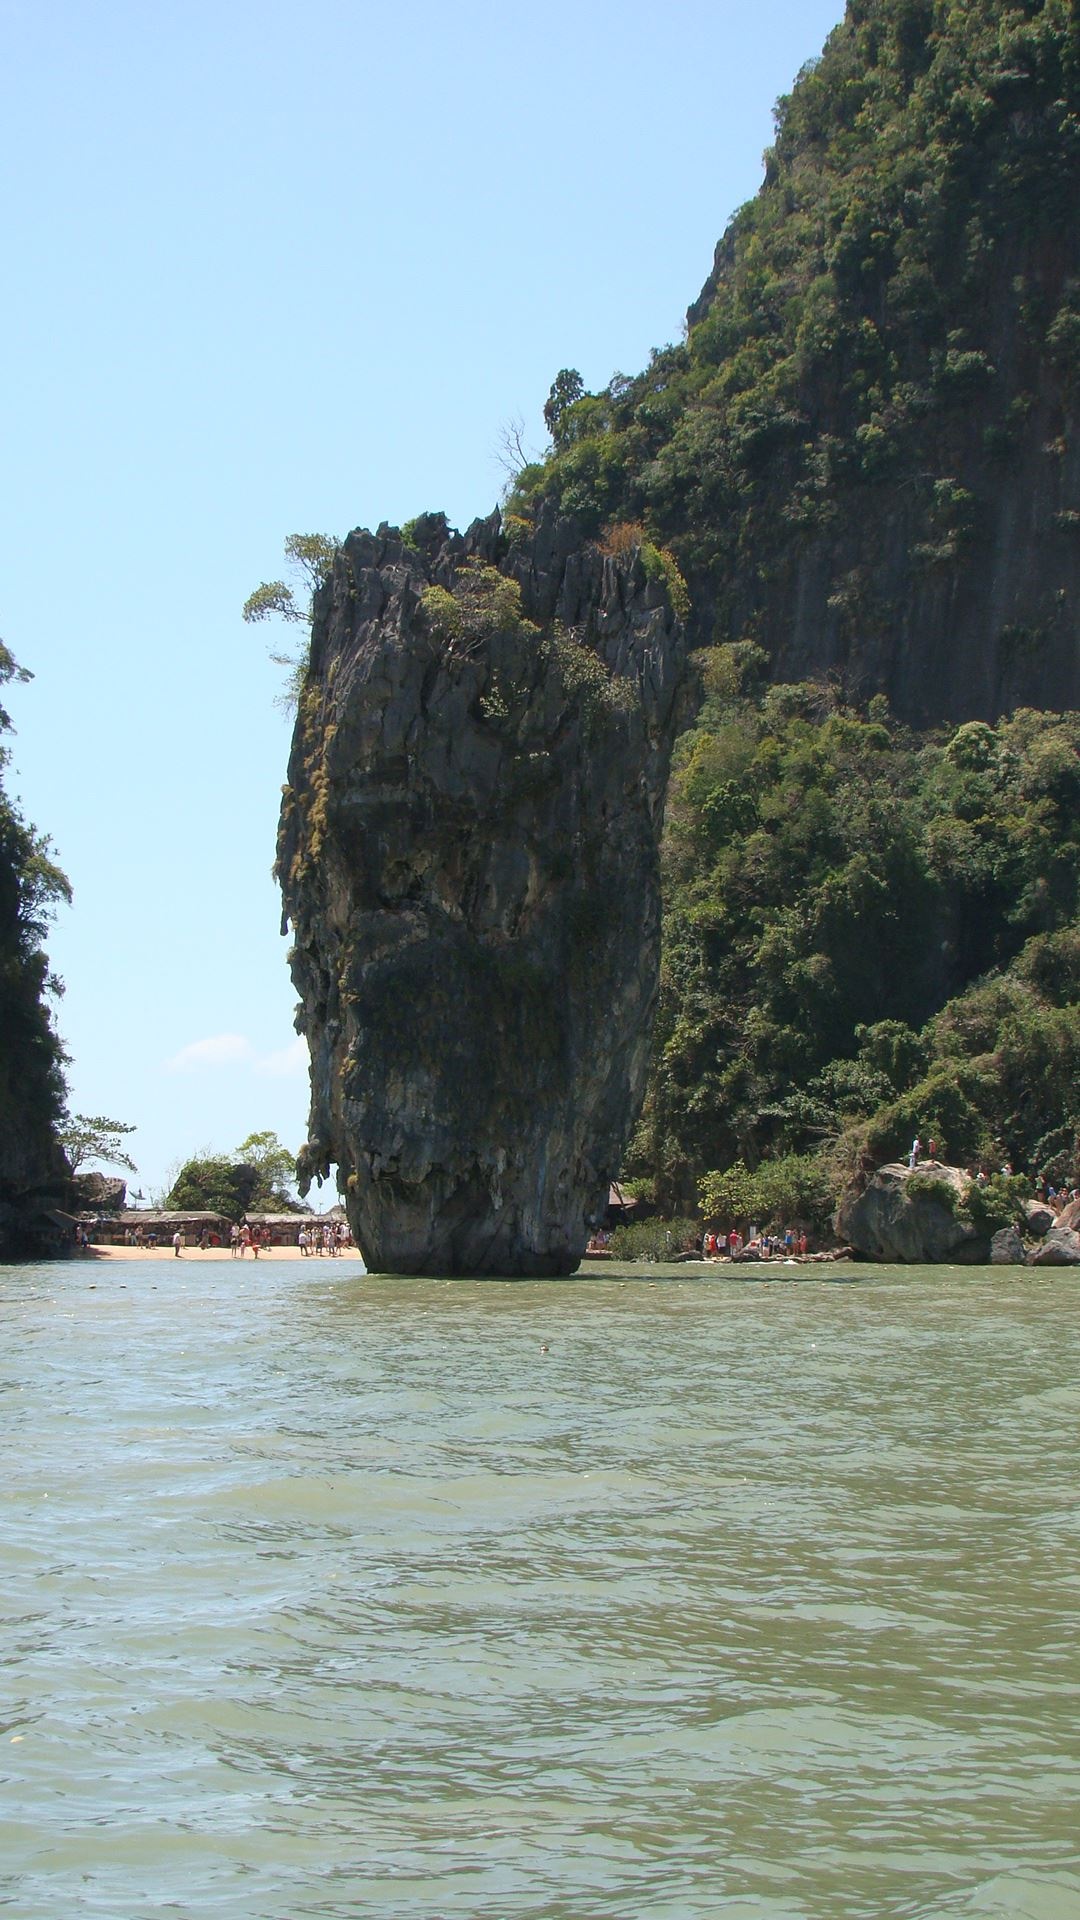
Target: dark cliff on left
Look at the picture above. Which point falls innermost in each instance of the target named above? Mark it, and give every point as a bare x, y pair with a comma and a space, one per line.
34, 1176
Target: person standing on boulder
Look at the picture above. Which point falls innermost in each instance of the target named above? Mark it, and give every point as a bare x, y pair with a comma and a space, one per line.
916, 1149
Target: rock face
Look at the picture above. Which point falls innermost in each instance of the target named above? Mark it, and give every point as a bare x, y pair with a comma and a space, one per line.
1061, 1248
1038, 1218
468, 857
910, 1217
34, 1182
946, 572
975, 632
1068, 1217
1007, 1248
99, 1191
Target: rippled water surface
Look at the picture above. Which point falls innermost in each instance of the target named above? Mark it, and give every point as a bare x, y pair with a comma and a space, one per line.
327, 1595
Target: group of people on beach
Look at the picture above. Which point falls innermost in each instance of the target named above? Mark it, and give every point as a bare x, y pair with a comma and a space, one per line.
789, 1243
245, 1237
322, 1237
328, 1239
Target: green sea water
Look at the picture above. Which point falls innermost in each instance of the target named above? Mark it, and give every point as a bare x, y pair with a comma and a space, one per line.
328, 1595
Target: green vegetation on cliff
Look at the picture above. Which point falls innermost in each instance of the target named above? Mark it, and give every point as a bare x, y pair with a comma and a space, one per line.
868, 933
310, 559
862, 450
31, 1057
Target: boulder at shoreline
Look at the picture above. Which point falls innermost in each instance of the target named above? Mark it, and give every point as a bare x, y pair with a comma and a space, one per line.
912, 1216
1038, 1217
1061, 1248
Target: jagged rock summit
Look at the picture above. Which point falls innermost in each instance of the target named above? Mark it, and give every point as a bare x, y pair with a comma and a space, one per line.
468, 856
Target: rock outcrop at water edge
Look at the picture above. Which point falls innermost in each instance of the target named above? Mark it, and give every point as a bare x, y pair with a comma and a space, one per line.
468, 856
1061, 1248
912, 1216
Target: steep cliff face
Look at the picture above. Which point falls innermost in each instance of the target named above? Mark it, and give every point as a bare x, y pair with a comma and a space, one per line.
864, 453
34, 1176
934, 559
468, 856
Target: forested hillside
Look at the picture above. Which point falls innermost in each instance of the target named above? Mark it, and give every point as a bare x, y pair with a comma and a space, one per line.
868, 933
862, 455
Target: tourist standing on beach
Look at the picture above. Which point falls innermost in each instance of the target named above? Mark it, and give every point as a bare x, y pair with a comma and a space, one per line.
177, 1243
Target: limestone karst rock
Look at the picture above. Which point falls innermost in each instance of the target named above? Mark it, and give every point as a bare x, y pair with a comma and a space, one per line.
911, 1216
101, 1192
864, 452
468, 856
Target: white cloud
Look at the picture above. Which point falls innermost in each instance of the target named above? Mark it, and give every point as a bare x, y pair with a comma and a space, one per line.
287, 1063
236, 1050
218, 1050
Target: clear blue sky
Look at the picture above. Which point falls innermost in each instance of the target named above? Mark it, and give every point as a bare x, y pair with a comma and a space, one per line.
275, 269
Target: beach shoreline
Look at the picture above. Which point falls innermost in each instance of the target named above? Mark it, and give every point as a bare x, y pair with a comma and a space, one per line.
202, 1254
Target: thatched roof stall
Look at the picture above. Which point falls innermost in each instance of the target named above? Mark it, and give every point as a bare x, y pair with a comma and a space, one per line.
134, 1227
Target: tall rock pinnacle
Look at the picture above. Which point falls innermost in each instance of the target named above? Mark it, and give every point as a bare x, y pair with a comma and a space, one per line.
468, 857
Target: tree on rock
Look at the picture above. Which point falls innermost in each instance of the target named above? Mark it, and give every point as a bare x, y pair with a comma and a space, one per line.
566, 388
254, 1179
310, 556
85, 1137
275, 1165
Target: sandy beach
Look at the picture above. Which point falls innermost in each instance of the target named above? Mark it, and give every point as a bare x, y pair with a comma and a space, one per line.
207, 1253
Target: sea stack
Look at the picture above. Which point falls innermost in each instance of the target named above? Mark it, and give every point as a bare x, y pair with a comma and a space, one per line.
468, 854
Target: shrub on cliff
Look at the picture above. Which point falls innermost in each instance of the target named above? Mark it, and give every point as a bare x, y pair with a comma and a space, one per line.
310, 558
481, 602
